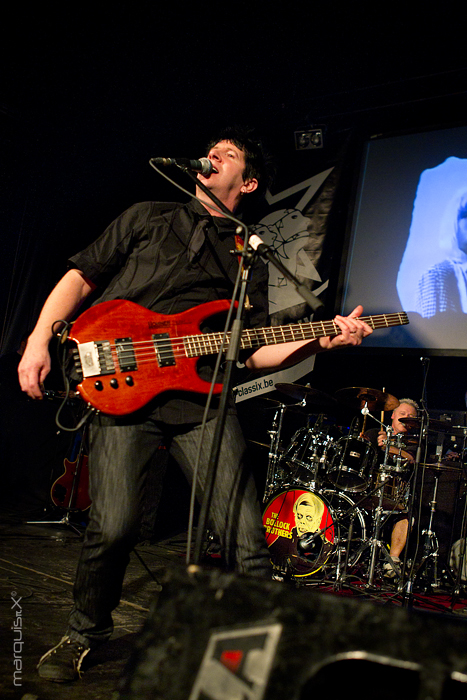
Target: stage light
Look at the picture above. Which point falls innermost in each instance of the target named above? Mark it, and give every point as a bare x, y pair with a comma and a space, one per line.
308, 139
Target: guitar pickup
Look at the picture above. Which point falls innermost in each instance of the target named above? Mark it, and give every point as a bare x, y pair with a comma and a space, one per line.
164, 350
96, 358
126, 354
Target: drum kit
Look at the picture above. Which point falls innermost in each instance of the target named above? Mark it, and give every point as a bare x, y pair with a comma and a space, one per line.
327, 494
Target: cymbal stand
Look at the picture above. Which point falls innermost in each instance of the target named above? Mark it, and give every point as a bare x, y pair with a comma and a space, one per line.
374, 544
430, 546
341, 575
274, 478
463, 534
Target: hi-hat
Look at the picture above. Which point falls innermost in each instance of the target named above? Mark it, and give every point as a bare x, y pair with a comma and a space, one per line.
376, 400
312, 397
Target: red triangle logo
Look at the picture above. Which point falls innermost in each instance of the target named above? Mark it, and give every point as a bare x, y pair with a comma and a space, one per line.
232, 659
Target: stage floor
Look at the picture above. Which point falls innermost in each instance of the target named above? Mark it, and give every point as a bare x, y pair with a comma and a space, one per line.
37, 564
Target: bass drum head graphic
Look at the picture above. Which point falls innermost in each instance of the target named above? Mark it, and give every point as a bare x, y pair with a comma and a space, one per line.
300, 531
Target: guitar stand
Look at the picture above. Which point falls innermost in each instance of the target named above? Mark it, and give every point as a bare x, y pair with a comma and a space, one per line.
65, 520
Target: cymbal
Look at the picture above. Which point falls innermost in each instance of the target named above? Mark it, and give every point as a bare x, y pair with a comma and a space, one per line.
312, 397
439, 467
413, 423
358, 396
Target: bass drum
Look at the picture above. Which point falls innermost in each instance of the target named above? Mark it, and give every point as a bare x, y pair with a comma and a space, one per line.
307, 530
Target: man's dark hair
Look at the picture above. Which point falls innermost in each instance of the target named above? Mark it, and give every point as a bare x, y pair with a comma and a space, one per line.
258, 164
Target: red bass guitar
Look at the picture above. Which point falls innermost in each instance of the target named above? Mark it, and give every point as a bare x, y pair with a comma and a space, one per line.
127, 355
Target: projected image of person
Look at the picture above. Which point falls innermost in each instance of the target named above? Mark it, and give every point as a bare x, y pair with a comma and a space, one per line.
432, 276
443, 287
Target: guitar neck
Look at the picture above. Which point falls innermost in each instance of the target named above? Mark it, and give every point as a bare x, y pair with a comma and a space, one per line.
209, 343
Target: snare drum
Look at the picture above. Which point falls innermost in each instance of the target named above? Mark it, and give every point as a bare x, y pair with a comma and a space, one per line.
305, 529
396, 492
352, 465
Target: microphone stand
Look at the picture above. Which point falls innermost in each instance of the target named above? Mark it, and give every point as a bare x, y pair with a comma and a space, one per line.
231, 359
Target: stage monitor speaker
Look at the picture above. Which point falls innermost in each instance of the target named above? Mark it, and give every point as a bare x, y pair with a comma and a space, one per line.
215, 636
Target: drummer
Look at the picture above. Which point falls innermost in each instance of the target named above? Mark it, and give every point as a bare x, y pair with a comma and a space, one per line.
407, 408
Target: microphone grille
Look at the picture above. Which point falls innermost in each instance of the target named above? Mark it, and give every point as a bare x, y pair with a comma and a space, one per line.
206, 166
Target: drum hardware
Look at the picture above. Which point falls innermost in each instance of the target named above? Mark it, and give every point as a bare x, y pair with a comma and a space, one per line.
461, 558
274, 475
308, 397
396, 492
428, 568
374, 544
406, 582
308, 453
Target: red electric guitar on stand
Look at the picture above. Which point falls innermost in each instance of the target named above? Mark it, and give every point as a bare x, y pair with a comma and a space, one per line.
71, 490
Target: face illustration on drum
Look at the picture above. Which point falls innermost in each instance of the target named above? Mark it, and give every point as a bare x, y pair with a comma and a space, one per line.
308, 510
299, 531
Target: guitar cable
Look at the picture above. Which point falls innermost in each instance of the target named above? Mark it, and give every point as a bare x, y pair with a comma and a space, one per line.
62, 362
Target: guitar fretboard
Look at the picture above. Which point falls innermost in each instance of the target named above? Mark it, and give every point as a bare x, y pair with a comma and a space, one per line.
210, 343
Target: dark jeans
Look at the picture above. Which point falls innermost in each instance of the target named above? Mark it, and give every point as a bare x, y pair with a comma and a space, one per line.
120, 455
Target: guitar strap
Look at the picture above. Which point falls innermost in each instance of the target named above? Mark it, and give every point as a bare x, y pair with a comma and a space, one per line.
197, 239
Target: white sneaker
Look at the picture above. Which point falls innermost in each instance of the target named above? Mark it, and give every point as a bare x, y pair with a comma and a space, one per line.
392, 571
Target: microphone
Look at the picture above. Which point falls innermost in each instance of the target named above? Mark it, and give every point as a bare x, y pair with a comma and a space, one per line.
310, 545
259, 245
202, 165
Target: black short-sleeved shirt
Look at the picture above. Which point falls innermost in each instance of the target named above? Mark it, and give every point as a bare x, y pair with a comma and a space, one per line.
170, 257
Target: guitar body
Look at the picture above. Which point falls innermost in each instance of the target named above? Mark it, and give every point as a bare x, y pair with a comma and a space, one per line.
123, 391
71, 489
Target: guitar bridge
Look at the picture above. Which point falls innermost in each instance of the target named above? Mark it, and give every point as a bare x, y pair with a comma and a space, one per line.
96, 358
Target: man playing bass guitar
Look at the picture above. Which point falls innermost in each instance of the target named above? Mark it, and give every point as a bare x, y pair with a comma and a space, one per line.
168, 258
